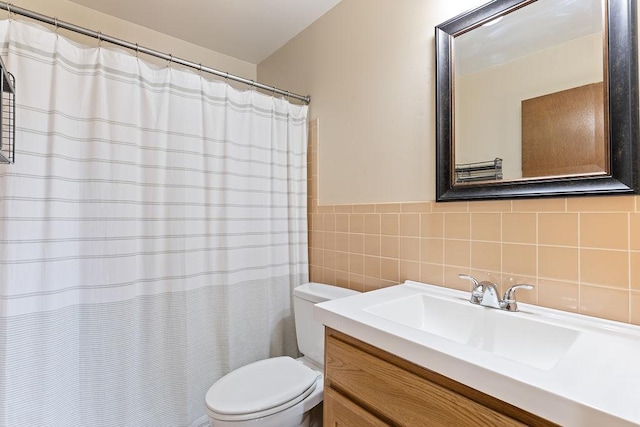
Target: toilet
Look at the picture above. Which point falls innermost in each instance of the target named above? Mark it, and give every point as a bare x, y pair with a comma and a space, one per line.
280, 391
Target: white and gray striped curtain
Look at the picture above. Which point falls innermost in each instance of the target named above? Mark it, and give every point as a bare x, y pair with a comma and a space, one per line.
151, 230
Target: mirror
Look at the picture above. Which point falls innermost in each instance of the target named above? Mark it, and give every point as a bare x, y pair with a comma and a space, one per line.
537, 98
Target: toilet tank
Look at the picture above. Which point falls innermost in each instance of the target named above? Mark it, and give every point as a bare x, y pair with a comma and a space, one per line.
310, 334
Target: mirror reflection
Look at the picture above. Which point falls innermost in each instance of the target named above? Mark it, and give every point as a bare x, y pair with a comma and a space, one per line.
530, 94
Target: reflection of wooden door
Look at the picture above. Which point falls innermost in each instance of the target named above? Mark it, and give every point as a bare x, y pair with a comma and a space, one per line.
563, 133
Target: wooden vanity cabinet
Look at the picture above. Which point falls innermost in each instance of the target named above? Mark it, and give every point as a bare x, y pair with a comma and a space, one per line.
366, 386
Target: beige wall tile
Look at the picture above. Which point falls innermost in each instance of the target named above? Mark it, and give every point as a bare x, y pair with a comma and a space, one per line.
519, 228
342, 261
356, 223
329, 259
316, 239
409, 249
601, 204
417, 207
635, 308
604, 230
342, 242
356, 264
606, 303
372, 244
486, 226
559, 229
539, 205
388, 207
490, 206
432, 225
559, 295
389, 246
344, 209
316, 274
329, 240
634, 232
457, 226
316, 256
356, 243
409, 224
342, 223
364, 208
371, 283
519, 259
602, 267
389, 224
342, 279
486, 256
457, 253
389, 269
432, 273
432, 251
450, 207
372, 223
635, 270
325, 209
328, 222
558, 263
315, 221
356, 282
329, 276
372, 266
409, 270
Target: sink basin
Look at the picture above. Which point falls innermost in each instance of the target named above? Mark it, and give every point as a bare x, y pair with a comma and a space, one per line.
509, 335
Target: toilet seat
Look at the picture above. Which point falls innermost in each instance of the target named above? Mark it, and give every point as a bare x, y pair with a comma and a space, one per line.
260, 389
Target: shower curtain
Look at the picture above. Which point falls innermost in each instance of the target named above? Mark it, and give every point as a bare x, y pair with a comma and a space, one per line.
151, 231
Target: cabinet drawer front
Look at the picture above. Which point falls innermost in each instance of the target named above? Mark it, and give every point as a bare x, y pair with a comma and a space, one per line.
399, 396
341, 412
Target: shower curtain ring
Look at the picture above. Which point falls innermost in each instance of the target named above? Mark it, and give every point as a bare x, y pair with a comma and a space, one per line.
55, 23
9, 9
137, 50
99, 39
170, 60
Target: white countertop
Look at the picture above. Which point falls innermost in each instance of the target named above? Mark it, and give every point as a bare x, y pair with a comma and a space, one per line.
595, 383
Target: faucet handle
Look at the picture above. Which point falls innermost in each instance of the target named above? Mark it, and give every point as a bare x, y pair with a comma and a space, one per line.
478, 289
509, 302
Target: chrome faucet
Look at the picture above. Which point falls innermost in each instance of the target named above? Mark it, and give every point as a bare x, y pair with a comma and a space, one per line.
485, 293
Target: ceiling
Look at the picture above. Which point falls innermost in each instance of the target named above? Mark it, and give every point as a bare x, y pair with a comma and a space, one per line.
249, 30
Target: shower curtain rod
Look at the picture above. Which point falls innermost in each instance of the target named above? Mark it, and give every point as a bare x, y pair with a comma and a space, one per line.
134, 46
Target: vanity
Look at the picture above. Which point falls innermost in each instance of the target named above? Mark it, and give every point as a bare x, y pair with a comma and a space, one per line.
418, 354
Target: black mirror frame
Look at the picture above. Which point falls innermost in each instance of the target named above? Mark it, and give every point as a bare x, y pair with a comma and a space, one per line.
623, 113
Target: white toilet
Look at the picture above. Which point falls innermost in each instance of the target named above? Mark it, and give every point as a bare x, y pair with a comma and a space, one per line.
280, 391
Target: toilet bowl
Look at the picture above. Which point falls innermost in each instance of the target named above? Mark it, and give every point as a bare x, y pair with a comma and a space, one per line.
280, 391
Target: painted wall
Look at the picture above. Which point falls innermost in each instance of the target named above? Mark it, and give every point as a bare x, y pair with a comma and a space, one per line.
368, 66
97, 21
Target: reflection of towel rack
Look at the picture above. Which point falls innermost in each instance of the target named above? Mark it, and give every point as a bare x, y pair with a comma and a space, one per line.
479, 171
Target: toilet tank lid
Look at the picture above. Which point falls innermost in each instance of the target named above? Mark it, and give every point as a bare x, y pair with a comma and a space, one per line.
319, 292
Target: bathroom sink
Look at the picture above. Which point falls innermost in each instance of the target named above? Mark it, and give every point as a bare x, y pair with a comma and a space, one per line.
509, 335
571, 369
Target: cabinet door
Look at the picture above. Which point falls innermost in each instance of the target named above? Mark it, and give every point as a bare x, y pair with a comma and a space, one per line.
386, 387
341, 412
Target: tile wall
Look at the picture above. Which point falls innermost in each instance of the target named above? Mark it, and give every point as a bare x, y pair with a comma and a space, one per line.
582, 254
